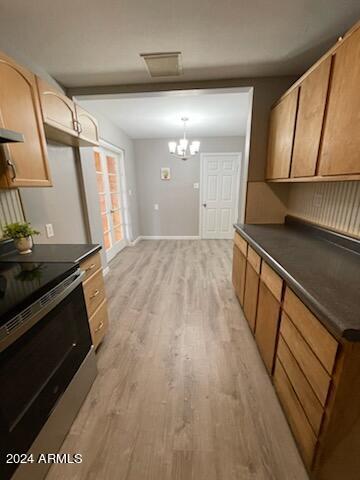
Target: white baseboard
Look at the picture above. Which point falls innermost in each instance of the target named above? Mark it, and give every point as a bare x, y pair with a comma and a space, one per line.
106, 270
170, 237
137, 240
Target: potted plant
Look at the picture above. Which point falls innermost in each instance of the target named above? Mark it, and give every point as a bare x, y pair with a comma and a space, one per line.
22, 234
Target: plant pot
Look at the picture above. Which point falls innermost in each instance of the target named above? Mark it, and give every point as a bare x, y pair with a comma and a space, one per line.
23, 245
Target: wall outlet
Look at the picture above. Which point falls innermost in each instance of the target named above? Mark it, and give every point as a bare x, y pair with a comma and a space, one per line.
49, 230
317, 200
196, 186
130, 192
156, 206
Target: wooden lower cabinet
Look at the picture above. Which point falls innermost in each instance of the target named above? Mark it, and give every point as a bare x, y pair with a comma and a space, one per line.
251, 295
295, 414
267, 325
95, 297
238, 273
316, 377
99, 323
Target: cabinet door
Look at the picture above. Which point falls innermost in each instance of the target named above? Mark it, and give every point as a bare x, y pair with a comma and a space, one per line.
312, 100
341, 140
23, 164
267, 325
238, 273
281, 136
251, 295
88, 126
57, 109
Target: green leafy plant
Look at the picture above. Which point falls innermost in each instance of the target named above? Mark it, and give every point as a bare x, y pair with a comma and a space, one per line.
19, 230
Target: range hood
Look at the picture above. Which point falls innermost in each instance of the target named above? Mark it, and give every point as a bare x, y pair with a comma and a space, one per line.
9, 136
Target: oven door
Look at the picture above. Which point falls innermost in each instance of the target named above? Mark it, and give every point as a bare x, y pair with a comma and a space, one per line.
35, 371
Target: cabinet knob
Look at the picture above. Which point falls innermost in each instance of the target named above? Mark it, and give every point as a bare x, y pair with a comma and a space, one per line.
97, 329
95, 294
90, 267
13, 168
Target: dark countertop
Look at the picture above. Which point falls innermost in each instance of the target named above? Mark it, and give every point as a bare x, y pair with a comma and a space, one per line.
74, 253
324, 274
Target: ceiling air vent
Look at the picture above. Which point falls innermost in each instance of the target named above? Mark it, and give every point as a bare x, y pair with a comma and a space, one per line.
163, 64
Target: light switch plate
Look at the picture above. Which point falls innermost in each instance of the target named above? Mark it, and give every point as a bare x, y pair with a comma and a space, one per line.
156, 206
196, 186
49, 230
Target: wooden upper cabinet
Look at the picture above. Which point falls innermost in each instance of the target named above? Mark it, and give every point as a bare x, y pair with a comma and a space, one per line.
281, 136
88, 126
57, 109
23, 164
310, 116
66, 122
341, 138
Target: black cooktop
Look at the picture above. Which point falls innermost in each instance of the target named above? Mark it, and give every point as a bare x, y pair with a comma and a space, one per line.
22, 283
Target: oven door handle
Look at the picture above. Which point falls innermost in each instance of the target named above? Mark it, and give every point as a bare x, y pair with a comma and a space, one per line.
21, 323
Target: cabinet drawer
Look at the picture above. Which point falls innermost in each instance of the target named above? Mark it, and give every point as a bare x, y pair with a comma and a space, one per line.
267, 325
90, 265
94, 291
251, 295
321, 342
313, 370
272, 280
311, 405
295, 415
99, 323
254, 259
241, 243
238, 273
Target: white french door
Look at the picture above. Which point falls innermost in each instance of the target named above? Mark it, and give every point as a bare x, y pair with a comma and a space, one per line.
219, 194
109, 166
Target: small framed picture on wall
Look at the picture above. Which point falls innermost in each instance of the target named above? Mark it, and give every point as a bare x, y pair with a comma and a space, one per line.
165, 173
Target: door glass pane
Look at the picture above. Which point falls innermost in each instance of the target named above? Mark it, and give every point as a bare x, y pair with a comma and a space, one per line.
111, 164
102, 201
97, 161
100, 182
115, 201
118, 234
116, 218
105, 223
107, 241
113, 183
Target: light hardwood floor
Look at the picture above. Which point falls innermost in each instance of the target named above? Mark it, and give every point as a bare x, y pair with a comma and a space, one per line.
181, 393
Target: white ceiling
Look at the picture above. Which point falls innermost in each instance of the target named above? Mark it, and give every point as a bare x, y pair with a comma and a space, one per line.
159, 116
93, 42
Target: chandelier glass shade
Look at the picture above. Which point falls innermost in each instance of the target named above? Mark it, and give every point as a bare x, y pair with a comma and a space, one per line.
183, 149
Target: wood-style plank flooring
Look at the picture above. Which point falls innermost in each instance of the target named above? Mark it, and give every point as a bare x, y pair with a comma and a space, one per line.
181, 393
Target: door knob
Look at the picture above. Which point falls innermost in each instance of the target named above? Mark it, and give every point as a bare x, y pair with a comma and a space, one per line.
204, 205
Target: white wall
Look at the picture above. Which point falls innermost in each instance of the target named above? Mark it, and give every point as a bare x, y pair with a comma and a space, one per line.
61, 204
178, 201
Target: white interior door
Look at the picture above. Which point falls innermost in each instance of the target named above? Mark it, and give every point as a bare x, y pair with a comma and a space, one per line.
219, 194
110, 183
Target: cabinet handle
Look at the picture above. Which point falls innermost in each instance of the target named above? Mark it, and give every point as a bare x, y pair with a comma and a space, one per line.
90, 267
97, 329
13, 168
95, 294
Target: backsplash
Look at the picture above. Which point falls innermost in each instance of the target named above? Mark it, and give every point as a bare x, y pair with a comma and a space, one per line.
334, 205
10, 208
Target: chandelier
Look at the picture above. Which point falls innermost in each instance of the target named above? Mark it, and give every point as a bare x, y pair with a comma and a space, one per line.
183, 150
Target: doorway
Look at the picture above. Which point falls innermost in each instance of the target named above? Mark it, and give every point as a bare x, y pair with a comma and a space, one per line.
111, 186
219, 194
